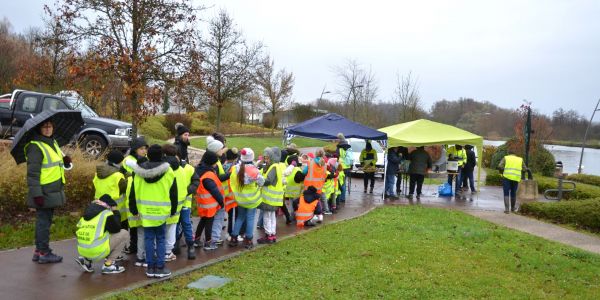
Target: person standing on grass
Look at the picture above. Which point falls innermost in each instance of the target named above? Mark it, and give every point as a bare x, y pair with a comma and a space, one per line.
512, 168
245, 182
186, 187
368, 158
99, 235
272, 193
46, 165
210, 198
154, 198
182, 141
420, 164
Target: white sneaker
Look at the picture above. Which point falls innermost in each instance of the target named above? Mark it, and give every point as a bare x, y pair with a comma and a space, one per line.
170, 257
85, 264
112, 269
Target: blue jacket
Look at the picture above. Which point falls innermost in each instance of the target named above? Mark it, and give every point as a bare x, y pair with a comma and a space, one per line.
393, 160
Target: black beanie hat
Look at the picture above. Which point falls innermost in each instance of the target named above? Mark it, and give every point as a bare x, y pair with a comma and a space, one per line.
231, 154
138, 143
155, 153
115, 157
181, 129
209, 158
108, 200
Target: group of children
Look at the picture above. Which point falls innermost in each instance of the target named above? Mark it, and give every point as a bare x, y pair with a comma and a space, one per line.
150, 193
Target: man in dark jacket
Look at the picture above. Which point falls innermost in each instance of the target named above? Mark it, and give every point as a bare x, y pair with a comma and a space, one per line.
393, 164
148, 182
118, 237
45, 196
467, 170
420, 164
182, 141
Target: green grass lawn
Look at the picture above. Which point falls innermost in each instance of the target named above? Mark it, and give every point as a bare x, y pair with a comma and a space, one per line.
13, 236
396, 253
259, 143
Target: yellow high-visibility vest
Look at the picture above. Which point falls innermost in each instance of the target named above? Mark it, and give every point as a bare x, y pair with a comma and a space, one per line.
513, 167
249, 195
110, 186
92, 239
153, 199
52, 163
273, 194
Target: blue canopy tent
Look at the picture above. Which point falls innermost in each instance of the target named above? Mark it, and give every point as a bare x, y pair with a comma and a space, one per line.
326, 127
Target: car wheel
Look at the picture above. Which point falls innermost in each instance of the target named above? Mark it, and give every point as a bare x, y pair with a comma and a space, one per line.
93, 145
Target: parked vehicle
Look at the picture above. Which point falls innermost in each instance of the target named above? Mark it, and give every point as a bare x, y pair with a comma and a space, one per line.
357, 145
95, 136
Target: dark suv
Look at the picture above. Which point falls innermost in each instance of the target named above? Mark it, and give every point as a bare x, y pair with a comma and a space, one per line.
95, 136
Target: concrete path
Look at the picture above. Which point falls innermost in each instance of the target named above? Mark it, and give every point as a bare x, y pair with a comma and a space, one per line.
538, 228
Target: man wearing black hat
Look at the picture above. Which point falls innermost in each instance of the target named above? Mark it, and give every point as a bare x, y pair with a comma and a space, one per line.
182, 141
154, 197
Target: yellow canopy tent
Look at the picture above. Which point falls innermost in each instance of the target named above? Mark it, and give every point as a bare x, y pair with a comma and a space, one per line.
425, 133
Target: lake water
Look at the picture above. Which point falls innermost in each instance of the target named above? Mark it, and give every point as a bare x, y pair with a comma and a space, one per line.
569, 157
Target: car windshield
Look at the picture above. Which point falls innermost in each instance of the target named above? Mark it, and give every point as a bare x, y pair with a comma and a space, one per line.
86, 111
359, 145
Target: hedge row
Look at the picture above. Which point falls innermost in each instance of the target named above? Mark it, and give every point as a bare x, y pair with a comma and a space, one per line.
79, 189
584, 214
582, 190
585, 178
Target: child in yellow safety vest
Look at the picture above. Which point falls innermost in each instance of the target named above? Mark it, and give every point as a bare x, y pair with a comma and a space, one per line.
154, 197
99, 235
187, 183
293, 186
109, 179
272, 193
331, 186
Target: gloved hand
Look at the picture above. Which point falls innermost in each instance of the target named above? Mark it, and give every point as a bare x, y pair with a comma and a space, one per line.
67, 161
38, 200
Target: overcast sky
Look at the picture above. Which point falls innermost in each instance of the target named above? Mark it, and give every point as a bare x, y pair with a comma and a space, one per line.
547, 52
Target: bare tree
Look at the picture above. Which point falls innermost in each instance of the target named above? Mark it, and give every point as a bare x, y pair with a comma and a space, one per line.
276, 87
358, 87
229, 62
138, 40
407, 97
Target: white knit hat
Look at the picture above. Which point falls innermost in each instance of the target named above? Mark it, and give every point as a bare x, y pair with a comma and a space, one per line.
247, 155
213, 145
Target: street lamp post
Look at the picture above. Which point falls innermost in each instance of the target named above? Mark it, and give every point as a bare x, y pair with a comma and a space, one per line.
321, 98
585, 136
352, 87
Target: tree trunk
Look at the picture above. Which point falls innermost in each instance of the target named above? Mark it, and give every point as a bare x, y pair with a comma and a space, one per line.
218, 122
272, 123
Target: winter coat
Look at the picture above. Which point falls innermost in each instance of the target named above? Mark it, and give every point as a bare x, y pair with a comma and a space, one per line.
420, 161
393, 160
471, 161
209, 184
104, 170
53, 193
182, 148
152, 172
